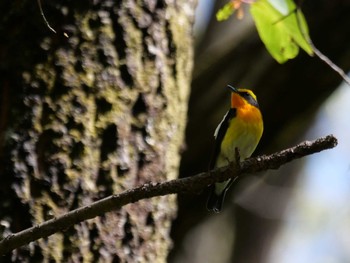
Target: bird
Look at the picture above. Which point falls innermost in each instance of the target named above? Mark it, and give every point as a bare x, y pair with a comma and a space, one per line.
241, 129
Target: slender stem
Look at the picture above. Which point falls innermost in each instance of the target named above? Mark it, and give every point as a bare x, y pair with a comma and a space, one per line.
43, 15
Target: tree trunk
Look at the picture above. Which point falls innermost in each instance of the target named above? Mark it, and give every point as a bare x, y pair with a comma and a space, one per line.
90, 115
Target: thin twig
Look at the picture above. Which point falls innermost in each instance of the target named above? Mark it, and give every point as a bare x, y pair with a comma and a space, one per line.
43, 15
319, 54
326, 60
187, 185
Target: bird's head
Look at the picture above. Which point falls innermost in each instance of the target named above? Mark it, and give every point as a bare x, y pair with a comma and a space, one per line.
241, 97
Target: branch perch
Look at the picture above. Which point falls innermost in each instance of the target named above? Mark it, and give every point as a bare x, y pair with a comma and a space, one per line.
193, 184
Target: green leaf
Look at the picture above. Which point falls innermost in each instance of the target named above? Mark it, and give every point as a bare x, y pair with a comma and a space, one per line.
281, 34
225, 12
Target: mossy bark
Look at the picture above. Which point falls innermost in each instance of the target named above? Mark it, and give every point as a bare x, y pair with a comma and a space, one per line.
90, 115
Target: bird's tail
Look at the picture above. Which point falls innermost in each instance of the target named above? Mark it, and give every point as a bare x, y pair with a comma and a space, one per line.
215, 200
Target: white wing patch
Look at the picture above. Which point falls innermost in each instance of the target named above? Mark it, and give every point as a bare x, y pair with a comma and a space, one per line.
219, 126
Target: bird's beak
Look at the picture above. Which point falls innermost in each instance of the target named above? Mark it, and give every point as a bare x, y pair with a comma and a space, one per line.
232, 89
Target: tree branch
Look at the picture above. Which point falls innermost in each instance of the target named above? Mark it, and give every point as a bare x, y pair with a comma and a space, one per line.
187, 185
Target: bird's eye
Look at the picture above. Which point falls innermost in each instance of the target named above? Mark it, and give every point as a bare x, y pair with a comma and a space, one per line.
249, 98
245, 94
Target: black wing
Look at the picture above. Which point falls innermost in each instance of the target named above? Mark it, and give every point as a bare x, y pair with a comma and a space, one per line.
222, 128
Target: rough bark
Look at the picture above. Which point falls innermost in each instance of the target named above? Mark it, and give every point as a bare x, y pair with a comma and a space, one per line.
90, 115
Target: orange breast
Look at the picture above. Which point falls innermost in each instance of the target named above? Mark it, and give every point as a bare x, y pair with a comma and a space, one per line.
249, 114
